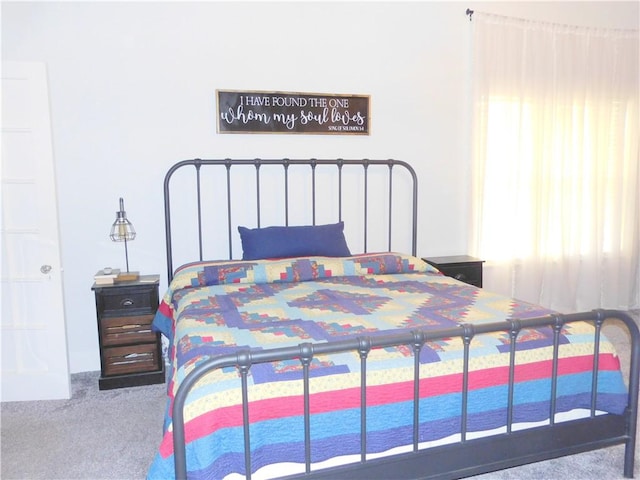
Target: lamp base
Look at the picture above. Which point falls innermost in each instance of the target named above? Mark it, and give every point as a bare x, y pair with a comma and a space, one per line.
127, 276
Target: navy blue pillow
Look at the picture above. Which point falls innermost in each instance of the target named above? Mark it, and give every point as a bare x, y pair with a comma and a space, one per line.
286, 242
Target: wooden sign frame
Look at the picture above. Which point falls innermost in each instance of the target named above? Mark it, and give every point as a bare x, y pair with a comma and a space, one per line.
292, 112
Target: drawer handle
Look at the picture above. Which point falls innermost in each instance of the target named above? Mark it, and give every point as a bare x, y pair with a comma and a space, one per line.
460, 276
127, 302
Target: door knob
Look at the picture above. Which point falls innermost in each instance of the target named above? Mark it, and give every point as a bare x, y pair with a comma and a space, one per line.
45, 269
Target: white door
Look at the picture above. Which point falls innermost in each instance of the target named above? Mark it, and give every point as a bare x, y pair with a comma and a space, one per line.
34, 363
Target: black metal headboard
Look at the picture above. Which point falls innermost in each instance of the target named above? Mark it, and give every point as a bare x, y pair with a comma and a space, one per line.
219, 193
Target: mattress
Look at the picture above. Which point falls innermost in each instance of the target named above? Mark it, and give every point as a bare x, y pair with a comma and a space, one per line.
214, 308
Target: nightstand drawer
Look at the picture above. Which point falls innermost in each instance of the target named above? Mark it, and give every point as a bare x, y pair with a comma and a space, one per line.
127, 330
461, 267
131, 359
127, 301
469, 274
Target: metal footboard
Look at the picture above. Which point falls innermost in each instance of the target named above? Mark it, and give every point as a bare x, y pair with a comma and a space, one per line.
468, 457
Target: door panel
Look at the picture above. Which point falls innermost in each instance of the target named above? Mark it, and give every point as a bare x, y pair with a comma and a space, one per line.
34, 343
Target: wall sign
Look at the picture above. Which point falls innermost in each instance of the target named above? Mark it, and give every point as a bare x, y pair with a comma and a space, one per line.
286, 112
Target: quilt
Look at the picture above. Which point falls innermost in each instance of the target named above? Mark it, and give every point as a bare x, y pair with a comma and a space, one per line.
213, 308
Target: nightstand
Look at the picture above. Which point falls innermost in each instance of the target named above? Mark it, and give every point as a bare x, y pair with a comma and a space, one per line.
461, 267
130, 352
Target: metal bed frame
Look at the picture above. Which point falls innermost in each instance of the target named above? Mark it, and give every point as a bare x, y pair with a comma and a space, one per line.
464, 458
225, 166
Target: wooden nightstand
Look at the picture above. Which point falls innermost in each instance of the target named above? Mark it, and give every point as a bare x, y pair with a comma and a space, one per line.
461, 267
130, 352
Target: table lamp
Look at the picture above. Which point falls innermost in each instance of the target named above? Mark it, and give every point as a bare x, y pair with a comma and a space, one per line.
122, 231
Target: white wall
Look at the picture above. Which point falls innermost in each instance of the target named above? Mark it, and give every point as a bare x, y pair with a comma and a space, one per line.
132, 91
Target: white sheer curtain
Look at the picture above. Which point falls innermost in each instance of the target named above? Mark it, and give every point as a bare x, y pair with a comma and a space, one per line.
556, 163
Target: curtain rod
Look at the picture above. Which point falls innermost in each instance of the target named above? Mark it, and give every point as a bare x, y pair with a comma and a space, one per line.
470, 13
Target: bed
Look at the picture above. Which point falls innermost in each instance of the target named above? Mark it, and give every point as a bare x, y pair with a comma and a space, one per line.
298, 358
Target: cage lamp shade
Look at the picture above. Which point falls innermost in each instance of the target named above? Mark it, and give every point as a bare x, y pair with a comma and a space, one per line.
122, 230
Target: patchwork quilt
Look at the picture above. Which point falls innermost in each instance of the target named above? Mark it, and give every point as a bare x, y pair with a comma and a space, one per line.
213, 308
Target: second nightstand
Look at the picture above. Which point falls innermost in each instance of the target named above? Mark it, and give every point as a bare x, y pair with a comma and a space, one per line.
461, 267
130, 352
